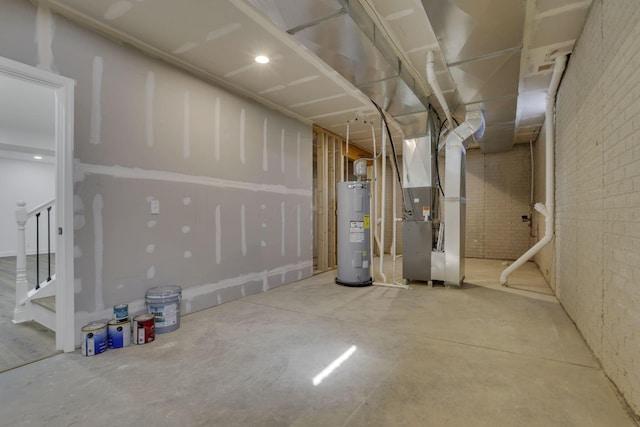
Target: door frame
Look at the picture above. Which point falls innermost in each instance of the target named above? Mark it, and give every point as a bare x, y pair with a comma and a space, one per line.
63, 88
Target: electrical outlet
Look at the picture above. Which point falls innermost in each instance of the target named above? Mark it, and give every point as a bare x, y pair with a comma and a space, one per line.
155, 207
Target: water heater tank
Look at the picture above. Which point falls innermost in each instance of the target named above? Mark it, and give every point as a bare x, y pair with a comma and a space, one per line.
354, 257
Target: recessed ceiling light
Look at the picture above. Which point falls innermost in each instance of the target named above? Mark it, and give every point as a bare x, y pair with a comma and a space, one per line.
37, 157
261, 59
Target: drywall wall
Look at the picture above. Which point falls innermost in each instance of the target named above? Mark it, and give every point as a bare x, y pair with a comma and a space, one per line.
34, 183
498, 194
598, 190
232, 178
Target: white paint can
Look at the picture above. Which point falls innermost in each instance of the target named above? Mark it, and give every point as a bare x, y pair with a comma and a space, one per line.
94, 338
164, 303
119, 333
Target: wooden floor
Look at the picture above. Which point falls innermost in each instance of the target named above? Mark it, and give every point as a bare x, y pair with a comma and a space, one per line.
25, 342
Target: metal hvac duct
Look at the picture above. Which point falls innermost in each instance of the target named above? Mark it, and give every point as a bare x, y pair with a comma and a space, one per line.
342, 34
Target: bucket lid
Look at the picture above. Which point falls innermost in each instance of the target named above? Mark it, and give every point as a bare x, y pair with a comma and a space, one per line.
143, 317
94, 326
119, 321
163, 291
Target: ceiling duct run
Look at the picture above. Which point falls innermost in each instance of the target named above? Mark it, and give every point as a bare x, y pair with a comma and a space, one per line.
343, 35
483, 52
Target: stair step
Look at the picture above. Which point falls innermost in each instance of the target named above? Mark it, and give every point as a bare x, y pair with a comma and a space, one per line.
48, 302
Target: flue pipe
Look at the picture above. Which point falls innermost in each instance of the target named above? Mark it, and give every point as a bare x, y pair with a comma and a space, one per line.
547, 210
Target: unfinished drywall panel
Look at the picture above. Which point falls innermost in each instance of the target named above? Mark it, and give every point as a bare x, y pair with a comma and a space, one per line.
177, 182
598, 191
206, 238
17, 31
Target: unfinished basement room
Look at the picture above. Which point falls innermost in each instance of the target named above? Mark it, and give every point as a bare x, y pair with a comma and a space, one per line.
320, 213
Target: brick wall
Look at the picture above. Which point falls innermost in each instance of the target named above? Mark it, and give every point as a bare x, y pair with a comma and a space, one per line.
598, 190
498, 194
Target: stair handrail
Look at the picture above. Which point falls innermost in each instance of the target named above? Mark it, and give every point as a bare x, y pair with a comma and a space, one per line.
22, 216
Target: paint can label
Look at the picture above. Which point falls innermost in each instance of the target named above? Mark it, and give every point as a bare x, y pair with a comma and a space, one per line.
119, 334
144, 329
121, 311
164, 314
94, 339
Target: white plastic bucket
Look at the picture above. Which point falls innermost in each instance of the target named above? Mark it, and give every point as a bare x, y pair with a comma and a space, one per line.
164, 303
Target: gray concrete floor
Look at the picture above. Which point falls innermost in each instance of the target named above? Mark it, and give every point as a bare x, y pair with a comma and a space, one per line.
482, 355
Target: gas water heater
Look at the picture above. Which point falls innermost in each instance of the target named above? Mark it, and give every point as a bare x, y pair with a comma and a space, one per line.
354, 237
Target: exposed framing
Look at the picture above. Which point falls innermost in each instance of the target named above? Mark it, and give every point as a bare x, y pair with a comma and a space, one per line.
329, 159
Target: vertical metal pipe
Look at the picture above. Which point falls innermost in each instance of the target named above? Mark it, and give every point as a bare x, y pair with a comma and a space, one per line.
374, 214
49, 243
38, 250
383, 196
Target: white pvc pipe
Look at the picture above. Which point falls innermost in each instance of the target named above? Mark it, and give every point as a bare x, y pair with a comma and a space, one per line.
435, 87
546, 210
372, 212
394, 209
346, 157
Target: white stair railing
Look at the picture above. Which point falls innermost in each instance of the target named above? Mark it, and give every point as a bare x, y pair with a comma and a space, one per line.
25, 310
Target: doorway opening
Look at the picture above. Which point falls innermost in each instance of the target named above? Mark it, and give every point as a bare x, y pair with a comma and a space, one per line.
36, 141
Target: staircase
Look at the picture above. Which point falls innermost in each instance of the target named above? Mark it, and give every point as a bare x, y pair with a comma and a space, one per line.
35, 301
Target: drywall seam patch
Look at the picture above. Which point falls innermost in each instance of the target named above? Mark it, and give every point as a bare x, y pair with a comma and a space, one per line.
282, 223
44, 38
218, 236
190, 294
298, 154
298, 230
96, 108
221, 32
151, 272
242, 128
216, 130
154, 175
151, 248
98, 249
186, 149
303, 80
186, 47
243, 230
271, 89
151, 83
282, 137
117, 9
265, 164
